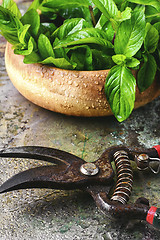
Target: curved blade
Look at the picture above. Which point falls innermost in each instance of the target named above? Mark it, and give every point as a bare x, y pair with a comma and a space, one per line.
53, 177
65, 174
40, 153
41, 177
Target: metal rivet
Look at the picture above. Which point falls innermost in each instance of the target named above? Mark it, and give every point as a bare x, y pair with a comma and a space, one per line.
142, 161
89, 169
143, 157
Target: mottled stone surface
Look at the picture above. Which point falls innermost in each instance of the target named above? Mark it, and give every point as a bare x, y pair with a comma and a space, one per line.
53, 214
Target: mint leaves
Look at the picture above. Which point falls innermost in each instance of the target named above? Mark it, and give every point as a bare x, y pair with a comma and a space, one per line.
147, 73
9, 25
32, 18
107, 7
130, 34
120, 83
148, 70
120, 91
91, 35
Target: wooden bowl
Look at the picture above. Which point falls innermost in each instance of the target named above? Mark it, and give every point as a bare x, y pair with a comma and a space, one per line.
77, 93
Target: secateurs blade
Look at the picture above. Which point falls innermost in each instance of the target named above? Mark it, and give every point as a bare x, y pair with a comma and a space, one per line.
71, 172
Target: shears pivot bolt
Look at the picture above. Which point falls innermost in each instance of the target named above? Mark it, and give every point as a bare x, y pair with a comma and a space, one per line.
89, 169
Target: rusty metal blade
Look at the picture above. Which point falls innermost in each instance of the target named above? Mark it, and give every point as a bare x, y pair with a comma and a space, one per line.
53, 177
40, 153
65, 174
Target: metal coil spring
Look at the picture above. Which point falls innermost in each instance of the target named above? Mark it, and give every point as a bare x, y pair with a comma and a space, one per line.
124, 183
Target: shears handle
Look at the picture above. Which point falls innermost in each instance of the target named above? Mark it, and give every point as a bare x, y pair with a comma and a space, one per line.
153, 217
157, 147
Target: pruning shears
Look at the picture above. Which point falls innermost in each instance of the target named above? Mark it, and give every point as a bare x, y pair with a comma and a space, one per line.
97, 178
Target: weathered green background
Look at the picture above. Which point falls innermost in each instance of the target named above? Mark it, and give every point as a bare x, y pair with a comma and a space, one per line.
72, 215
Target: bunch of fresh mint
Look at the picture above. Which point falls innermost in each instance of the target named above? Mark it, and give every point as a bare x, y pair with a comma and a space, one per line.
91, 35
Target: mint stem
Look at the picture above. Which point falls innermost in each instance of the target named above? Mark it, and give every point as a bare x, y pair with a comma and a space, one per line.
92, 15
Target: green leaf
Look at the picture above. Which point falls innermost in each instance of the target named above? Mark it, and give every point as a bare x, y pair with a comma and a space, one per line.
78, 58
26, 50
107, 7
9, 25
44, 46
119, 59
102, 22
130, 35
69, 27
47, 29
106, 26
82, 56
84, 36
153, 3
101, 60
33, 57
151, 38
126, 14
132, 62
146, 74
75, 9
58, 62
35, 4
32, 17
89, 40
119, 2
12, 39
12, 6
23, 34
151, 14
120, 91
59, 4
111, 26
157, 26
61, 53
158, 59
77, 12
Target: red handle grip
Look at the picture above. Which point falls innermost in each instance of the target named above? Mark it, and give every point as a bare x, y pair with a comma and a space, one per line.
153, 217
157, 147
